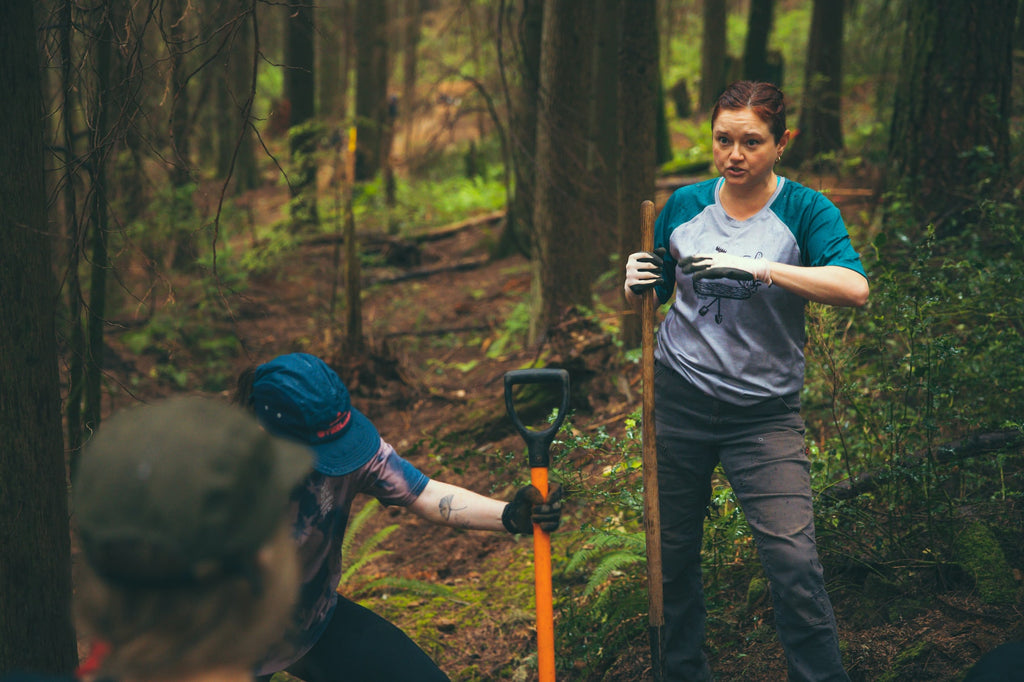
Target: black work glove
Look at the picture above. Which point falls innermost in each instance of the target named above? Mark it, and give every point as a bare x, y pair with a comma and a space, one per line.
724, 265
529, 507
644, 270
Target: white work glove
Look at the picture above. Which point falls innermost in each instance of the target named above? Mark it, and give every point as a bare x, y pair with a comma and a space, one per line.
644, 270
724, 265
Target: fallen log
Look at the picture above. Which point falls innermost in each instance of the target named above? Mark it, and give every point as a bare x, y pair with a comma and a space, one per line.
422, 273
376, 240
971, 446
439, 331
451, 229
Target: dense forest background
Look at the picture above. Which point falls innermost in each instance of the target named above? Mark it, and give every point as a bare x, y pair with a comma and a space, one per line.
430, 192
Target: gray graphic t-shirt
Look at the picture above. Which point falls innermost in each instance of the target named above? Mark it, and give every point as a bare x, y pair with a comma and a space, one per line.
742, 342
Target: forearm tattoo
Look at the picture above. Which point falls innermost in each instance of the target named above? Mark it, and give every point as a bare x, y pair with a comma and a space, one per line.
445, 507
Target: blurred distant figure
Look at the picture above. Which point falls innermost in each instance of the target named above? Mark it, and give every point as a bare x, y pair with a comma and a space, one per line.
189, 571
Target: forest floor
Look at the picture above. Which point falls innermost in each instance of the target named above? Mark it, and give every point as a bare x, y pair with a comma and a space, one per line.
430, 378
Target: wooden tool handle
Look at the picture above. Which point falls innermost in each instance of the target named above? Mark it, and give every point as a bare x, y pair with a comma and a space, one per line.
652, 511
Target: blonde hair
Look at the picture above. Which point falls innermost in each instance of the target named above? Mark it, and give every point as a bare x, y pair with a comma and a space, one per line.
174, 632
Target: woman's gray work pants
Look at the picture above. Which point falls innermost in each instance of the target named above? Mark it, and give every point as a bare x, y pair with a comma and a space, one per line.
762, 452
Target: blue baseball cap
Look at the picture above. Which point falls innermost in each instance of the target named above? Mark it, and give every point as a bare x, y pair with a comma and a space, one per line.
298, 396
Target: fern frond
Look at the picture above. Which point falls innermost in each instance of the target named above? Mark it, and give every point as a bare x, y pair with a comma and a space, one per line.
361, 561
356, 523
407, 586
357, 556
371, 543
609, 565
603, 542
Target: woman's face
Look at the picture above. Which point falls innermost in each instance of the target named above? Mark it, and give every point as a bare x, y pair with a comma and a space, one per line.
744, 149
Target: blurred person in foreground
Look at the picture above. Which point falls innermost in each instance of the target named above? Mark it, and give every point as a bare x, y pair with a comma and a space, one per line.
188, 570
744, 253
299, 396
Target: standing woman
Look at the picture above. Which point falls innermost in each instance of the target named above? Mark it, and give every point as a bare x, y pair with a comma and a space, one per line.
744, 252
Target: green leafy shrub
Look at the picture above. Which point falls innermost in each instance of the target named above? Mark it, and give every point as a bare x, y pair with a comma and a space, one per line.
887, 389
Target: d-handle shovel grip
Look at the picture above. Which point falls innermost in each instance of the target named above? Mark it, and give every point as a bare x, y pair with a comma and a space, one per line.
537, 442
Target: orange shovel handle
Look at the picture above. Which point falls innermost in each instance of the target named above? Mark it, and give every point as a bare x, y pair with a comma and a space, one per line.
542, 580
537, 446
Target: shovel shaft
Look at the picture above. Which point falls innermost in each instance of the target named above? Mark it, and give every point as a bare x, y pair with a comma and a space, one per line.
542, 581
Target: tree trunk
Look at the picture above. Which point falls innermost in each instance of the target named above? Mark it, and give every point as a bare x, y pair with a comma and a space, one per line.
528, 24
299, 77
76, 333
755, 51
35, 564
820, 126
562, 248
950, 123
99, 130
210, 118
224, 117
604, 152
243, 60
174, 26
330, 49
183, 237
662, 136
410, 52
712, 54
638, 97
371, 85
348, 57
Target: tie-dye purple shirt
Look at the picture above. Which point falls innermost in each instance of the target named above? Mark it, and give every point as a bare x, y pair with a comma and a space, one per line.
321, 510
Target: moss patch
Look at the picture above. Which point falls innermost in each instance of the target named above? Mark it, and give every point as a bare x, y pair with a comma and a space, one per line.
978, 551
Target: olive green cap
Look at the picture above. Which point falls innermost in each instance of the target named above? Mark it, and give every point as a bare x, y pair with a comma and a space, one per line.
182, 491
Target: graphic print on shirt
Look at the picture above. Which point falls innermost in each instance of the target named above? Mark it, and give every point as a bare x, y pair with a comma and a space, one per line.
717, 289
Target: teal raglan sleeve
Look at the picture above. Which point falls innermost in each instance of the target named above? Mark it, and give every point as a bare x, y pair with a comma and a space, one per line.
818, 227
662, 231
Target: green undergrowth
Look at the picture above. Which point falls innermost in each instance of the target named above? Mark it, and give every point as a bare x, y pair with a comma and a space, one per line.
496, 602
